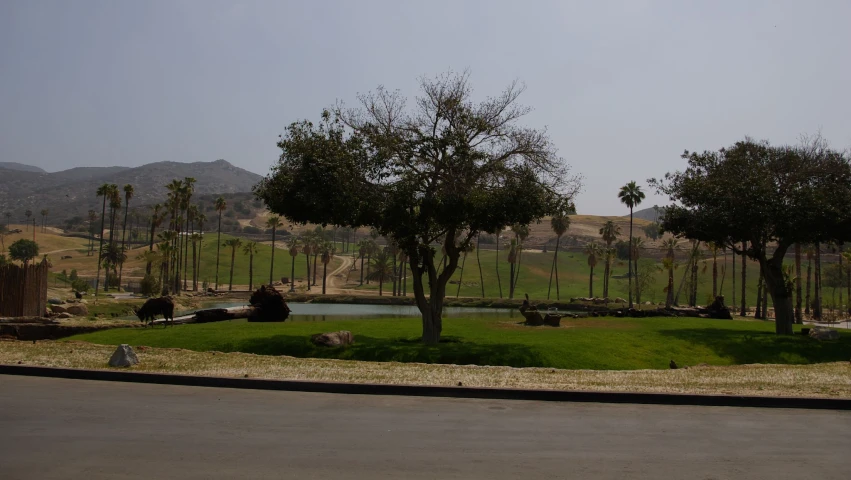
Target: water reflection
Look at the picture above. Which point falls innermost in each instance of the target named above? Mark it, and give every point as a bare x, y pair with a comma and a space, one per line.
319, 312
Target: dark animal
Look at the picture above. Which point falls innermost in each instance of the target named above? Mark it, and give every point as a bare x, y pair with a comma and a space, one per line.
673, 365
78, 294
66, 257
156, 306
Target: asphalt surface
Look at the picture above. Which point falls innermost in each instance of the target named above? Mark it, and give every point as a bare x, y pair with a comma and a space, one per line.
55, 428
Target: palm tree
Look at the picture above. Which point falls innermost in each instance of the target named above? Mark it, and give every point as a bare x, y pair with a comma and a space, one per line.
112, 257
592, 249
114, 204
195, 238
293, 245
44, 213
28, 213
250, 249
559, 223
610, 232
381, 268
102, 191
631, 196
164, 249
234, 244
669, 245
189, 219
273, 222
327, 255
156, 221
128, 194
221, 206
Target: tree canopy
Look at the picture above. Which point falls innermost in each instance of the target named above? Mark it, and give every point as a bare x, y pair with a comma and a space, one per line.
767, 196
23, 250
431, 176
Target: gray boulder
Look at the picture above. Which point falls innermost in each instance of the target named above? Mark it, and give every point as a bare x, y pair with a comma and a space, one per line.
333, 339
823, 333
78, 309
59, 308
124, 356
54, 301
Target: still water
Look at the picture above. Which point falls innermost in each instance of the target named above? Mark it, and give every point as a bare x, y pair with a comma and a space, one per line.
313, 312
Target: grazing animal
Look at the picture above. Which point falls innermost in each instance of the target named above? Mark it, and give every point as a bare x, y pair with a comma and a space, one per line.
66, 257
156, 306
78, 294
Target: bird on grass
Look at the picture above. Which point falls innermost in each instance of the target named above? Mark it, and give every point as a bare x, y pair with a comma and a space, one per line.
673, 365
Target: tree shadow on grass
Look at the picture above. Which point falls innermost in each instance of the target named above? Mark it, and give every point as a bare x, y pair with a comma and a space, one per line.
764, 347
450, 350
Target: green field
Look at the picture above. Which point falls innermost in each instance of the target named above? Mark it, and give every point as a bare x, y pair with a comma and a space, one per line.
573, 278
599, 343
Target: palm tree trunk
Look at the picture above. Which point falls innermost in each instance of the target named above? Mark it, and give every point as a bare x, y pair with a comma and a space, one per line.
817, 307
511, 282
591, 284
194, 267
461, 277
232, 260
479, 263
314, 267
669, 299
151, 244
368, 261
629, 261
250, 272
635, 271
498, 281
218, 247
272, 263
517, 269
307, 260
292, 274
100, 249
361, 270
381, 283
552, 269
324, 274
744, 309
187, 233
558, 294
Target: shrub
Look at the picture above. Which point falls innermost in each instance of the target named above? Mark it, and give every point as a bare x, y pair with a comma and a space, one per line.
252, 230
150, 285
79, 285
73, 275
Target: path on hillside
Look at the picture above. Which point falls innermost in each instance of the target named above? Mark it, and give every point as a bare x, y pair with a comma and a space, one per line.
53, 429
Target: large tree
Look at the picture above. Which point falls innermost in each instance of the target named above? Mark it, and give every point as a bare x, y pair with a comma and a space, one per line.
778, 196
429, 177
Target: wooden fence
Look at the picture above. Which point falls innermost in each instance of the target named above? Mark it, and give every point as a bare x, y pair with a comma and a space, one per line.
23, 290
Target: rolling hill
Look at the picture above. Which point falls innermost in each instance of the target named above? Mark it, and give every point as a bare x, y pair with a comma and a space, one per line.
71, 192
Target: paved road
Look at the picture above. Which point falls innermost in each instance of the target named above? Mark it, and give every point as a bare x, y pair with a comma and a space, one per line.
51, 428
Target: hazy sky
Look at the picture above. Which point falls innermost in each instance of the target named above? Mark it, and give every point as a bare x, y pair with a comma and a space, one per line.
623, 86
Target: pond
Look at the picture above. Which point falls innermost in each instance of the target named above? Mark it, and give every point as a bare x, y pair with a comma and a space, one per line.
313, 312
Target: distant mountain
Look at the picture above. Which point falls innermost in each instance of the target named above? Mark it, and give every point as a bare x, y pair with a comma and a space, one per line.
648, 213
72, 192
21, 167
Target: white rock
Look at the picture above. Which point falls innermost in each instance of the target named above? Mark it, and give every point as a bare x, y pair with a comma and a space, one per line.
124, 356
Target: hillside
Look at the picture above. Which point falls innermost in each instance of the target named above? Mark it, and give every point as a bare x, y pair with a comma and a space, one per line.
71, 192
21, 167
650, 214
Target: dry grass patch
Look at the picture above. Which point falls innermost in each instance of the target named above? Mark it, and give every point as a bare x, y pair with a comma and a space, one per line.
821, 380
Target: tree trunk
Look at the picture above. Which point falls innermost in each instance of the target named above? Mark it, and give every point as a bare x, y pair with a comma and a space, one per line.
733, 278
324, 275
817, 301
315, 270
100, 249
809, 277
431, 307
479, 263
669, 300
799, 318
292, 274
591, 284
781, 296
123, 233
194, 267
272, 263
218, 247
744, 309
629, 260
251, 272
498, 281
552, 269
232, 259
381, 283
714, 274
361, 270
393, 278
511, 282
558, 294
637, 288
758, 311
461, 277
307, 260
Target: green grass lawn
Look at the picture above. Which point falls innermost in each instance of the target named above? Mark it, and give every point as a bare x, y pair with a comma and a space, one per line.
599, 343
